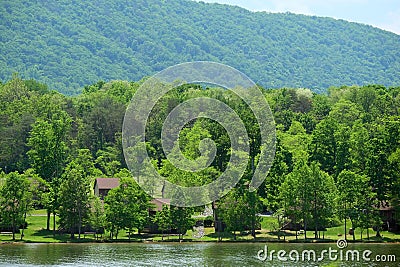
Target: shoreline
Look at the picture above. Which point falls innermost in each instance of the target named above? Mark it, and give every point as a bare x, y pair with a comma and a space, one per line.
188, 241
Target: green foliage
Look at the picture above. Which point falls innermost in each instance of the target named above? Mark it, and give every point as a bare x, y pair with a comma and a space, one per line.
181, 219
308, 197
126, 207
352, 129
74, 199
71, 44
48, 147
17, 113
97, 219
357, 201
325, 142
83, 158
280, 168
101, 117
15, 201
163, 219
38, 188
239, 209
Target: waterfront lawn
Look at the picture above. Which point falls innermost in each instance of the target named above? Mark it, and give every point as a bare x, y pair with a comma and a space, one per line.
41, 212
330, 235
36, 233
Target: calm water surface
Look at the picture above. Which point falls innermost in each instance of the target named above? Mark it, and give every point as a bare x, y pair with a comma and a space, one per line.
175, 254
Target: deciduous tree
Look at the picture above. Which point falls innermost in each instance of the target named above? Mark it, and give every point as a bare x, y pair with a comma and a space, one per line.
74, 199
15, 200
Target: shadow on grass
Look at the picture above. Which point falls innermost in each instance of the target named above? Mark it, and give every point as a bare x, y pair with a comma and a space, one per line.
228, 236
221, 235
375, 239
281, 233
48, 234
44, 235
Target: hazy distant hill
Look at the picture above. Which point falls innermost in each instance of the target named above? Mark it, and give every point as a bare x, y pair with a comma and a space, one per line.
68, 44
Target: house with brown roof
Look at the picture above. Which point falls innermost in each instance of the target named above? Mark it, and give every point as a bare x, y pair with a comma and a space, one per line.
159, 203
103, 185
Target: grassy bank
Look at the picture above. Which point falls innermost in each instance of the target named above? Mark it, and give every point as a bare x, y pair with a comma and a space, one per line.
36, 233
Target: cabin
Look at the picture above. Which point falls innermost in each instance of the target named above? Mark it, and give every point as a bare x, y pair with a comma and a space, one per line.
158, 204
103, 185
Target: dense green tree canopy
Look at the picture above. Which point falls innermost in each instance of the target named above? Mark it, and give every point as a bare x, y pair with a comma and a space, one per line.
322, 140
69, 44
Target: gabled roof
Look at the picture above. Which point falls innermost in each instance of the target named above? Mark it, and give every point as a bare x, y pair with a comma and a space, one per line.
106, 183
159, 202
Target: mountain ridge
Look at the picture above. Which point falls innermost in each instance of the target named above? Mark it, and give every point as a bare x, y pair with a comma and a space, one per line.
69, 44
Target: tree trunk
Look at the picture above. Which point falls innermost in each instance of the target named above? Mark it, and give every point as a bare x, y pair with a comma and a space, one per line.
305, 230
216, 226
253, 227
48, 220
54, 223
378, 232
79, 224
354, 232
315, 215
13, 228
279, 227
345, 229
23, 226
79, 230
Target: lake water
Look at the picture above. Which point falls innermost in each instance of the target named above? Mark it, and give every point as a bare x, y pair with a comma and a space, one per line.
187, 254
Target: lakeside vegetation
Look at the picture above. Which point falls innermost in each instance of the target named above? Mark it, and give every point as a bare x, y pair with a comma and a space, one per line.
337, 161
35, 233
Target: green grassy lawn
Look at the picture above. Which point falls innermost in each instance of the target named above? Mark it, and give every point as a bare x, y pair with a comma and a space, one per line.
37, 233
331, 234
41, 212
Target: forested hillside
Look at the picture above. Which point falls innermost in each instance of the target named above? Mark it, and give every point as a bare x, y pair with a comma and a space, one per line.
68, 44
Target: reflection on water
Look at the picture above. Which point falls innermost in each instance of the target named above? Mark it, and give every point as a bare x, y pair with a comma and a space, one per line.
173, 254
